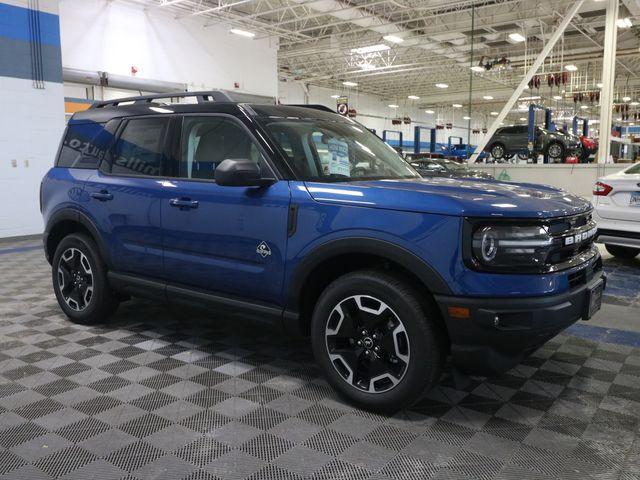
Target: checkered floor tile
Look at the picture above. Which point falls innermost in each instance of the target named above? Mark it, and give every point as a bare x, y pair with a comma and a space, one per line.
162, 393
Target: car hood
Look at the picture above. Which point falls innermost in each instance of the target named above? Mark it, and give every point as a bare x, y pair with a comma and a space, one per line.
453, 196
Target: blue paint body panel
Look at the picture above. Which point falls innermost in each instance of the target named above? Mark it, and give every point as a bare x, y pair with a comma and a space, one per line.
259, 244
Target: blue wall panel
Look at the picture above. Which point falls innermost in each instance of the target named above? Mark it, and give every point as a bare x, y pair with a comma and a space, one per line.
20, 55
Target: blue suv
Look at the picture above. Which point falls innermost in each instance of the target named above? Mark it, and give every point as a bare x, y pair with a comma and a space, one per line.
299, 217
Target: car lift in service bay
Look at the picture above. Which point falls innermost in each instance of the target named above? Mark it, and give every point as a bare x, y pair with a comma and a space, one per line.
585, 126
417, 133
532, 126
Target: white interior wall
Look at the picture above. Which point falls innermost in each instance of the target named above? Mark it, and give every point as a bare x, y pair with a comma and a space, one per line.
575, 178
374, 112
101, 35
31, 122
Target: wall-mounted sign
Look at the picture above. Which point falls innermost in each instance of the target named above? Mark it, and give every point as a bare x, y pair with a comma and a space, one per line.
343, 106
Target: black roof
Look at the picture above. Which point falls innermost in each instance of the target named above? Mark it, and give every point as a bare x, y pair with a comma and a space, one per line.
208, 102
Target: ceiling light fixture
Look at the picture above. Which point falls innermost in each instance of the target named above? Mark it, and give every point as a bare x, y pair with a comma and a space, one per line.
393, 105
583, 107
335, 96
442, 85
367, 66
393, 38
557, 97
522, 119
495, 114
350, 84
381, 47
478, 68
242, 33
430, 112
413, 97
456, 105
599, 85
570, 68
624, 23
466, 118
626, 99
488, 97
634, 104
517, 37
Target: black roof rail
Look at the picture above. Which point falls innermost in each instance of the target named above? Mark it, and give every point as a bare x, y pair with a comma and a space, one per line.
201, 97
315, 106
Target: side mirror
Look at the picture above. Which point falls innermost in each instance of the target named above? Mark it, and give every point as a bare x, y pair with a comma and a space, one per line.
240, 173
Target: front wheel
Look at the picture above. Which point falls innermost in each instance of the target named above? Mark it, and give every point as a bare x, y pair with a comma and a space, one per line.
624, 253
498, 151
377, 341
80, 281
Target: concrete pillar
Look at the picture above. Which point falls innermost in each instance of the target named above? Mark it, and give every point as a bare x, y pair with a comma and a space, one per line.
608, 79
32, 99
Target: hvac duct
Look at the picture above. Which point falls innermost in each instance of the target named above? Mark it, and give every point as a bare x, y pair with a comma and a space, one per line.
105, 79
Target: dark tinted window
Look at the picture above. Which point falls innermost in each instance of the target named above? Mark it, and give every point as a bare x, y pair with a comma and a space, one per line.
138, 150
207, 141
85, 144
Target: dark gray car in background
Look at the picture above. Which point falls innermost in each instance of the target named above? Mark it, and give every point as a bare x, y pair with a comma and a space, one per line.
514, 140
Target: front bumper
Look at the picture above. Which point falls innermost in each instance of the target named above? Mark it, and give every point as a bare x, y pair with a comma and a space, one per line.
500, 332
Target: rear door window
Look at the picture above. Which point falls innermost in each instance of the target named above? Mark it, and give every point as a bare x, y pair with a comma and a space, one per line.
139, 149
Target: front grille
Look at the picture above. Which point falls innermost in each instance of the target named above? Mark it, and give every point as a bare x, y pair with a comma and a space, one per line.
573, 239
583, 276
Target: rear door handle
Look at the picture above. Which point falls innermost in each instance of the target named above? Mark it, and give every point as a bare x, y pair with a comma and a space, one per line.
102, 195
183, 203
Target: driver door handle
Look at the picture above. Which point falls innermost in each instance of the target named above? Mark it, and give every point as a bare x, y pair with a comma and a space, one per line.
183, 203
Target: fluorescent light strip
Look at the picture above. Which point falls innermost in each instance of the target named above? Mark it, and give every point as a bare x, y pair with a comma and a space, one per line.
242, 33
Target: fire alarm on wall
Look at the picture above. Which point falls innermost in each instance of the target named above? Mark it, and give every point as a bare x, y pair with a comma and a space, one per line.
134, 70
236, 84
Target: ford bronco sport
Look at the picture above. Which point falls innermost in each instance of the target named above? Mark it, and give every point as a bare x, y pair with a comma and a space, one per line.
301, 217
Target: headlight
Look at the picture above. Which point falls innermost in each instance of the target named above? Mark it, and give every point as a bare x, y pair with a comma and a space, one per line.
500, 247
528, 246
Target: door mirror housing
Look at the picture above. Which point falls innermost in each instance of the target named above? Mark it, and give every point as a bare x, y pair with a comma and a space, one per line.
240, 173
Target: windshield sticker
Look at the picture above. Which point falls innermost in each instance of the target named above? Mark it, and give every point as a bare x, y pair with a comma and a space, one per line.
339, 161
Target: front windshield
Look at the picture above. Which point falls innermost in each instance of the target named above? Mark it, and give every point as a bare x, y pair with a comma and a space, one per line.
336, 151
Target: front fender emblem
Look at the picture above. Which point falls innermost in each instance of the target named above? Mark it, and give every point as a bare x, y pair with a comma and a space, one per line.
263, 249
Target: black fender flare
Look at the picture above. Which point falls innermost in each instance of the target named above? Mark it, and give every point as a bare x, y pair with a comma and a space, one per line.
363, 245
73, 215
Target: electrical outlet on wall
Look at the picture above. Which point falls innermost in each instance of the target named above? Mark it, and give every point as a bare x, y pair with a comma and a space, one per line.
14, 163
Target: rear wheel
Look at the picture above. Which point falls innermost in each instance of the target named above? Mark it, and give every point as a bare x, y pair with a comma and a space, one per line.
625, 253
555, 151
376, 341
80, 281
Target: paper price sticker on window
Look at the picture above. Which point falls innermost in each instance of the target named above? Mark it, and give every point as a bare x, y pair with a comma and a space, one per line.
339, 162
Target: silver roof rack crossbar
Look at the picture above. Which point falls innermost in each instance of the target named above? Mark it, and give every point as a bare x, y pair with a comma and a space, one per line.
201, 97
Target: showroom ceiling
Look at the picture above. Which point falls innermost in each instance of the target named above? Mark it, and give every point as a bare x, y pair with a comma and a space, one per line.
402, 48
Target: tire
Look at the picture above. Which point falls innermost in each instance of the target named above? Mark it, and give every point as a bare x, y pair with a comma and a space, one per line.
77, 260
497, 151
555, 151
407, 340
624, 253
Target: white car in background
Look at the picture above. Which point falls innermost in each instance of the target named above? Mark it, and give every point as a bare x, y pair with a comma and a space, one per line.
616, 199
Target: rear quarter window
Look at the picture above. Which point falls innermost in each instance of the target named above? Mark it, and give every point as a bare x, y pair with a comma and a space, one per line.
85, 145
